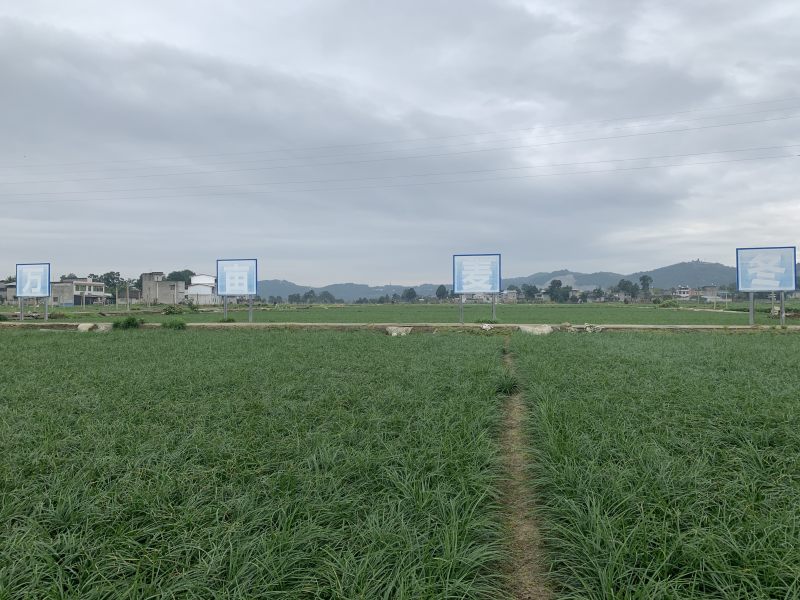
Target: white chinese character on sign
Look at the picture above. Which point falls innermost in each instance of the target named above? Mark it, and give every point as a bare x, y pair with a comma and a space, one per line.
236, 278
765, 269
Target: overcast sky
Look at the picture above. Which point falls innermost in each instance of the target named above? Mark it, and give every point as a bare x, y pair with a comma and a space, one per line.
368, 141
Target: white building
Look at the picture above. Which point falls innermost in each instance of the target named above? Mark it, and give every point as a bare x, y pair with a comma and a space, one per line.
683, 292
508, 297
203, 290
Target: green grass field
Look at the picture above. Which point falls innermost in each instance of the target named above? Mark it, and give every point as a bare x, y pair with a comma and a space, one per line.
237, 464
291, 464
446, 313
667, 465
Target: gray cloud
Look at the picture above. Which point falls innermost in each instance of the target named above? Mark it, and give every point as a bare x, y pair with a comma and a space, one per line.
144, 136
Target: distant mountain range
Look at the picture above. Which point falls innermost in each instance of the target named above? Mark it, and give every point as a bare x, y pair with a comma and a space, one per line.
694, 274
348, 292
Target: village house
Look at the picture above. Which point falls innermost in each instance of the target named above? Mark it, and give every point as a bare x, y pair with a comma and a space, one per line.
8, 293
508, 297
203, 290
78, 292
682, 292
157, 289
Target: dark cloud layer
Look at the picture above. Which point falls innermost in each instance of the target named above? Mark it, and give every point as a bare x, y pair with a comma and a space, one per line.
369, 141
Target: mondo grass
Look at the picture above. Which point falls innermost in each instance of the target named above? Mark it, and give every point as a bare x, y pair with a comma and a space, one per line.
667, 465
246, 464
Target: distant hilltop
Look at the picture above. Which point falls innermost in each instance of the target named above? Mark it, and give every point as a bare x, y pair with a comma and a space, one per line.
694, 274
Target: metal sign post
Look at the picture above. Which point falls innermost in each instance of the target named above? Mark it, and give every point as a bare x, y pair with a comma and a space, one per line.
783, 309
46, 306
752, 308
494, 311
21, 309
250, 309
461, 312
225, 308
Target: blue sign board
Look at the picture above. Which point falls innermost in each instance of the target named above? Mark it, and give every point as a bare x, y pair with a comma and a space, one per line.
766, 269
237, 277
33, 280
476, 273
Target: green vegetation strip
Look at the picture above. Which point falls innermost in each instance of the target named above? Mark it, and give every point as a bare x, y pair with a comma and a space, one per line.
666, 465
241, 464
428, 313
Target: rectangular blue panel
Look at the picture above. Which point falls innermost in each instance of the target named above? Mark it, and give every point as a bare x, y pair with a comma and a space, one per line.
237, 277
476, 273
33, 280
766, 269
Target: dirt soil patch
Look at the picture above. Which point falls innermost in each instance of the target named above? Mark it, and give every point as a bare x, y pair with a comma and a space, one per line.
526, 571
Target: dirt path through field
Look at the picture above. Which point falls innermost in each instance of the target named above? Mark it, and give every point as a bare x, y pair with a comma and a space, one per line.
525, 571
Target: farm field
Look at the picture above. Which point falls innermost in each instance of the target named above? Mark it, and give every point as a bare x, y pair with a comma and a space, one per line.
666, 465
246, 464
441, 313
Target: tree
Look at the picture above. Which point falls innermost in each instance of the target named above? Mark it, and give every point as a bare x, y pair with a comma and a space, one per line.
630, 288
309, 296
441, 292
112, 280
558, 292
11, 279
554, 288
597, 294
513, 288
409, 295
68, 276
185, 276
645, 281
326, 297
529, 291
294, 298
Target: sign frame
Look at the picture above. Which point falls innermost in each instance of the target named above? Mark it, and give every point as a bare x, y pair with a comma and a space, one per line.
499, 273
226, 295
752, 289
234, 260
17, 282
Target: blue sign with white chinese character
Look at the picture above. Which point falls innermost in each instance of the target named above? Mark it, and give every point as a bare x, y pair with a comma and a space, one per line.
476, 273
766, 269
33, 280
237, 277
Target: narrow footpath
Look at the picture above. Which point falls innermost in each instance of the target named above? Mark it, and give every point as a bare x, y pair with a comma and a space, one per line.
526, 569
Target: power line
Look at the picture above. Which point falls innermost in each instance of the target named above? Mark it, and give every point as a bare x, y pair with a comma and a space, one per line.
412, 157
408, 140
417, 184
373, 153
428, 174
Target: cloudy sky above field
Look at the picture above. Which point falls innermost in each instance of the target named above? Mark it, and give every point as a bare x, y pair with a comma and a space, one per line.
368, 141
